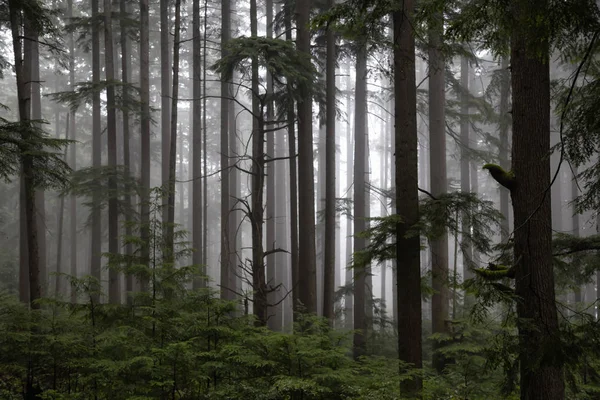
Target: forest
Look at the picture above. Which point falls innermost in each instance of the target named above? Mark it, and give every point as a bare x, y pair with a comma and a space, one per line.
299, 199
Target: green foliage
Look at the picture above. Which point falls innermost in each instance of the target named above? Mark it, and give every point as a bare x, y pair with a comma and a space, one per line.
19, 139
293, 72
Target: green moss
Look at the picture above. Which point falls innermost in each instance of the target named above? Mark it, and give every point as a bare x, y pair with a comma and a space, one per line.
506, 179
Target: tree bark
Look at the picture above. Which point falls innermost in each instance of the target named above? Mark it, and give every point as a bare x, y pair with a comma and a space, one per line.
145, 137
96, 217
541, 373
72, 134
23, 75
173, 140
439, 184
165, 100
114, 291
125, 72
349, 297
227, 292
307, 283
360, 216
408, 278
465, 180
330, 192
291, 118
257, 195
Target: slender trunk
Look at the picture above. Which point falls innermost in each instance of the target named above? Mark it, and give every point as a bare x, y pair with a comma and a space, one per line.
349, 297
196, 203
227, 291
541, 374
439, 184
114, 292
165, 102
273, 277
295, 267
258, 180
36, 115
575, 231
204, 145
173, 140
58, 290
125, 72
145, 137
360, 216
307, 284
72, 134
96, 221
330, 195
465, 182
408, 278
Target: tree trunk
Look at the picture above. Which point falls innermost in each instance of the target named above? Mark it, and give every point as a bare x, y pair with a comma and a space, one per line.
439, 184
58, 281
273, 272
165, 104
295, 267
408, 278
465, 182
349, 297
227, 292
173, 140
541, 373
196, 204
307, 284
114, 291
360, 222
125, 72
36, 115
258, 180
23, 75
96, 217
72, 134
330, 192
145, 136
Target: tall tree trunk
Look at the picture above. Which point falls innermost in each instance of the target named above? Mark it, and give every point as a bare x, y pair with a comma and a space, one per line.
295, 267
204, 144
72, 134
36, 115
541, 374
165, 101
258, 180
465, 182
145, 136
408, 278
439, 184
360, 222
320, 207
196, 204
114, 291
307, 284
96, 217
58, 281
504, 146
349, 297
173, 140
23, 75
227, 291
330, 164
125, 72
575, 230
273, 277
